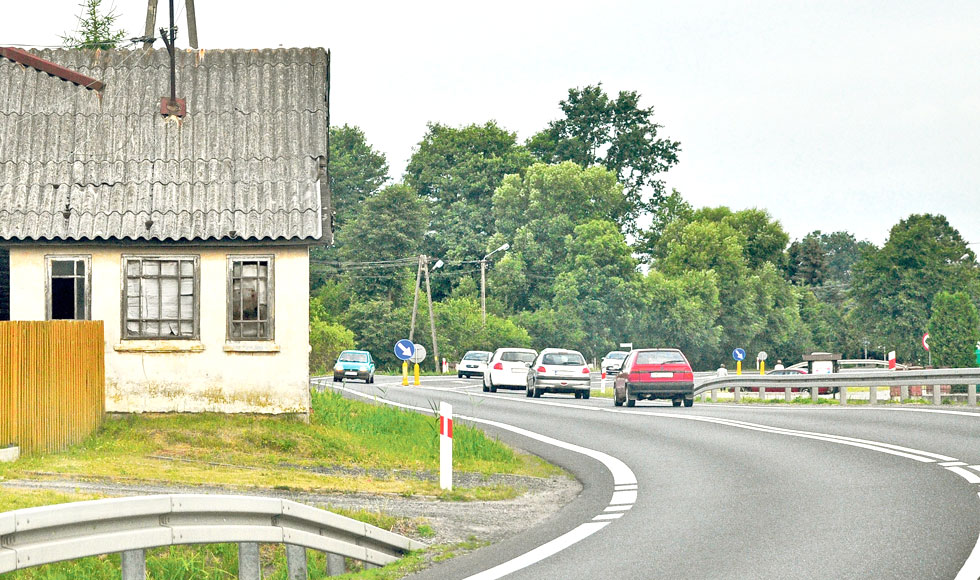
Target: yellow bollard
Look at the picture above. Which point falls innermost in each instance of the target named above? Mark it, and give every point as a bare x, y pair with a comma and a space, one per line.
405, 373
762, 367
417, 383
738, 367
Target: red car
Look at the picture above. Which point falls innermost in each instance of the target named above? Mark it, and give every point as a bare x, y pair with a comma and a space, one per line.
655, 373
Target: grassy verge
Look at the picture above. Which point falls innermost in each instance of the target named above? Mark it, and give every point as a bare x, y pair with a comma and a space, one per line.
347, 447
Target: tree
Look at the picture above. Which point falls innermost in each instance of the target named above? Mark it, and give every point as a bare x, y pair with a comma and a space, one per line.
616, 134
94, 29
806, 261
672, 208
894, 287
457, 170
357, 171
327, 339
954, 330
380, 245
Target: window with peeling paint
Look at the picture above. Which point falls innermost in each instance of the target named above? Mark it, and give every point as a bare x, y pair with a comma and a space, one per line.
161, 297
250, 298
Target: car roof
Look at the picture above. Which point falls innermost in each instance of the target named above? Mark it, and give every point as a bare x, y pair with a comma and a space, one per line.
517, 349
554, 350
357, 351
469, 351
617, 352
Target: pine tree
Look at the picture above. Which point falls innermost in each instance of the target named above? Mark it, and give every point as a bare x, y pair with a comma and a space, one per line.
94, 29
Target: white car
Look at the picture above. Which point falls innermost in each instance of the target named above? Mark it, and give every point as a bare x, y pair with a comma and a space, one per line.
474, 363
507, 369
613, 362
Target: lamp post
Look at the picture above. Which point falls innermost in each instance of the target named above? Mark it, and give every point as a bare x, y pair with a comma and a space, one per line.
483, 280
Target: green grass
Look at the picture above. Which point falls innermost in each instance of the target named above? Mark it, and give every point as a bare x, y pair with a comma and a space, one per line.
348, 446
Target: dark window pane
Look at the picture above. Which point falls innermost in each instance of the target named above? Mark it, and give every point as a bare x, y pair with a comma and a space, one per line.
62, 267
80, 297
80, 267
62, 299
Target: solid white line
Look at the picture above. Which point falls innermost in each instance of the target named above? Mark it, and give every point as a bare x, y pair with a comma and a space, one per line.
541, 552
971, 568
952, 463
608, 517
623, 497
975, 467
967, 475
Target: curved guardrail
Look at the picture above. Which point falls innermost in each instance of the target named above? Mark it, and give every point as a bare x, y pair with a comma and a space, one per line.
33, 536
930, 377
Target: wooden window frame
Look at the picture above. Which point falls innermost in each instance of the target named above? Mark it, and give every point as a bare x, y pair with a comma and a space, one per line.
48, 272
196, 297
270, 297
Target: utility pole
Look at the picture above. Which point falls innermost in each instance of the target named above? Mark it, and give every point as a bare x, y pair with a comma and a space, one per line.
432, 316
151, 20
415, 304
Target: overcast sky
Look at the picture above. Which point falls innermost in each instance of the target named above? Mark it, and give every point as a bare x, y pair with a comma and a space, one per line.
831, 114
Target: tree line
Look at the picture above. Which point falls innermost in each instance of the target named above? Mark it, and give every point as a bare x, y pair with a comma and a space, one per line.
600, 253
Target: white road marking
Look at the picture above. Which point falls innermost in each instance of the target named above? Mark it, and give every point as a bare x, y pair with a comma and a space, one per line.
623, 497
623, 487
619, 508
541, 552
967, 475
971, 568
608, 517
952, 463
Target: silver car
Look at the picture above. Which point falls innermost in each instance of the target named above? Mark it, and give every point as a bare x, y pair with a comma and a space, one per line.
559, 370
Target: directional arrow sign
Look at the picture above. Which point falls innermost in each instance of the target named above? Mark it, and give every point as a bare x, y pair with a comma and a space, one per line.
925, 341
404, 349
738, 354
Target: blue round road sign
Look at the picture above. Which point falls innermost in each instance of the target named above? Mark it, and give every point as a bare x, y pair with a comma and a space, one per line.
404, 349
738, 354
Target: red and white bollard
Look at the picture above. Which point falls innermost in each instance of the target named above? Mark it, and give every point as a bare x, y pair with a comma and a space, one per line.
445, 366
445, 446
891, 361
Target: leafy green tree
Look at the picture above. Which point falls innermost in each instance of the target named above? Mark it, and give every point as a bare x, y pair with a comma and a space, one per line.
841, 252
672, 208
460, 328
95, 29
617, 134
954, 330
378, 247
457, 170
681, 312
377, 325
894, 287
538, 213
327, 339
357, 171
806, 261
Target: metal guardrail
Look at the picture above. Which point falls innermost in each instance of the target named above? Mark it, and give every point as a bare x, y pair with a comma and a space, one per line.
841, 381
34, 536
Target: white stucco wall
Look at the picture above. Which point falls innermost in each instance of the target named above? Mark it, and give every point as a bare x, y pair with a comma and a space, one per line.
210, 374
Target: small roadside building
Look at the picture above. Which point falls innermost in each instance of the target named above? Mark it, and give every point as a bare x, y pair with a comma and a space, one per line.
185, 226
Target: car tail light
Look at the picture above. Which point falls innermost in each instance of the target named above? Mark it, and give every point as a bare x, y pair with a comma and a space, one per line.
585, 370
498, 367
541, 369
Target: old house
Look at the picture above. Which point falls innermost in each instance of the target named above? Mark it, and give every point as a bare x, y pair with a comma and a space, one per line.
187, 233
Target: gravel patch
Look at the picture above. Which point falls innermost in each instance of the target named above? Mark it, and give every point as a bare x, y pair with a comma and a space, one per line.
451, 521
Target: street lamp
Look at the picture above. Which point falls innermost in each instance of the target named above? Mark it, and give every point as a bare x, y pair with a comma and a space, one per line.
483, 280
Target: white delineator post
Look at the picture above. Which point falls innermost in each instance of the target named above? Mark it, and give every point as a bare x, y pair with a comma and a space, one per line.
445, 445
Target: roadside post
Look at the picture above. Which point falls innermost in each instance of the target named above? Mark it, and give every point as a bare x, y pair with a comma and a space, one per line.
445, 446
418, 356
761, 357
405, 350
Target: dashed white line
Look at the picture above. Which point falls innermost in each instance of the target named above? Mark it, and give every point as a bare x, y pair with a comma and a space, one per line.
608, 517
619, 508
541, 552
622, 497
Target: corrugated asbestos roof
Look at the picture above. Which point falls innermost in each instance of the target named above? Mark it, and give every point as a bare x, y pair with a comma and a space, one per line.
77, 164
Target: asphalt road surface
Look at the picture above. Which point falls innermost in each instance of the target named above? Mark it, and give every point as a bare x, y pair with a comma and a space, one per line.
725, 491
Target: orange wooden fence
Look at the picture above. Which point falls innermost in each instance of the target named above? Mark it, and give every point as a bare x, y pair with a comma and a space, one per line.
52, 383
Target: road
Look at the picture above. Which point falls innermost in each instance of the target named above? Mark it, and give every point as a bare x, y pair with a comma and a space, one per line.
725, 491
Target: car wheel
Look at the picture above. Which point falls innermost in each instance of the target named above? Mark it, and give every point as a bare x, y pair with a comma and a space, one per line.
537, 393
459, 375
616, 400
371, 378
630, 402
688, 402
493, 388
578, 395
586, 394
676, 402
528, 392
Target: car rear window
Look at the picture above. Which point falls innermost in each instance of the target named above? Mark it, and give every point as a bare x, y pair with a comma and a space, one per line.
617, 355
524, 357
660, 357
563, 359
477, 356
353, 357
